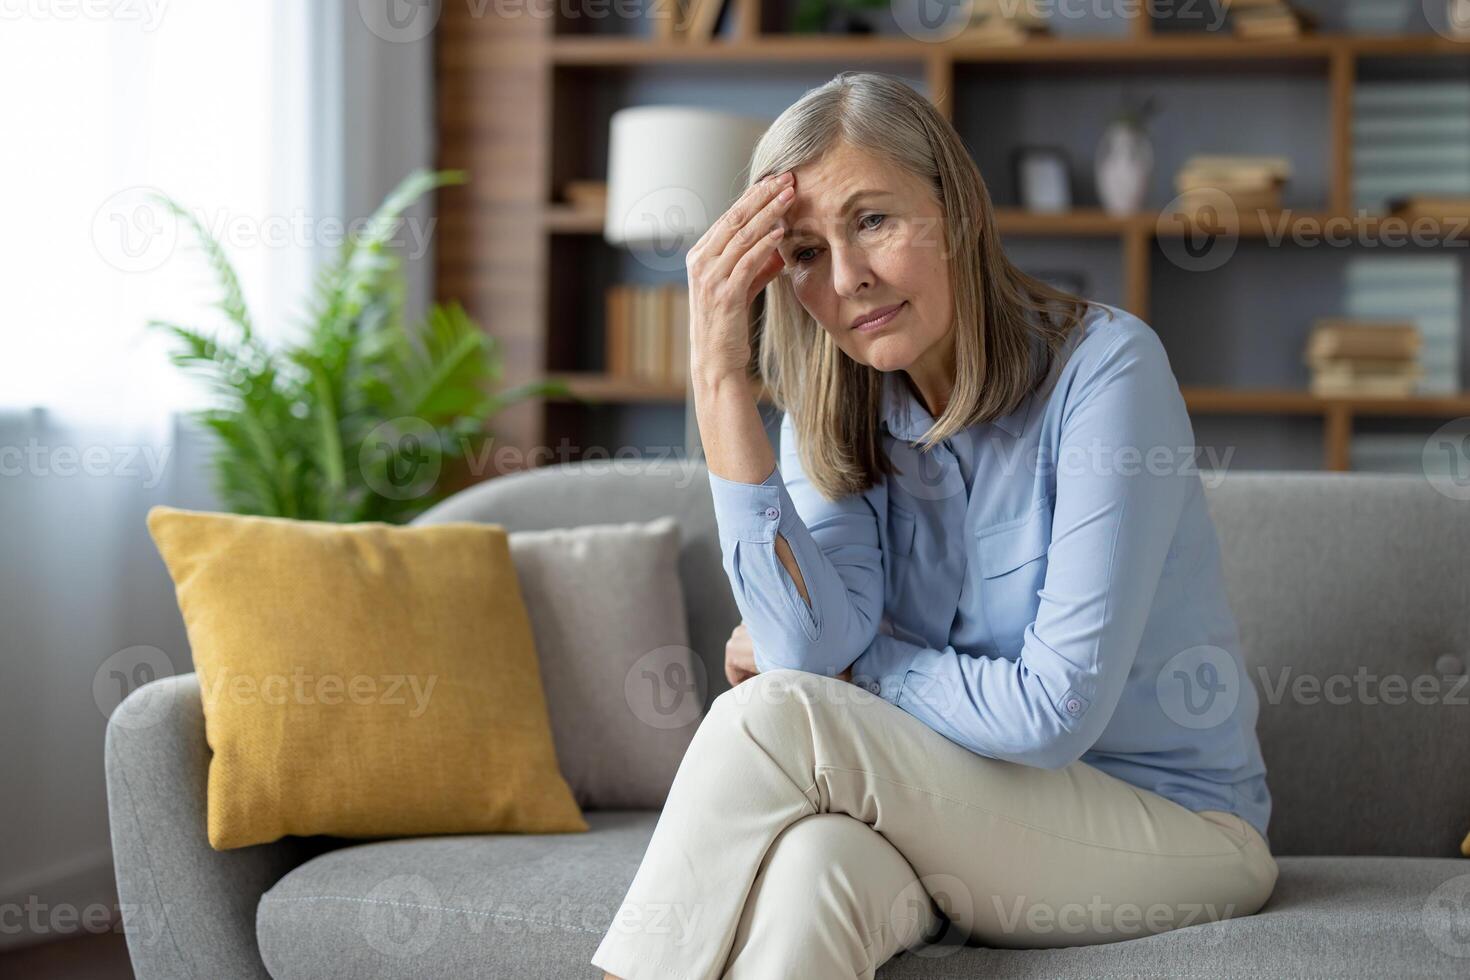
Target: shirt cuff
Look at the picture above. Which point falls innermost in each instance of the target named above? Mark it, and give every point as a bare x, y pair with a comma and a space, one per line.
883, 668
750, 511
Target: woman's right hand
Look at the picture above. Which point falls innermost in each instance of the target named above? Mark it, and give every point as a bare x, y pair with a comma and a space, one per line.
728, 267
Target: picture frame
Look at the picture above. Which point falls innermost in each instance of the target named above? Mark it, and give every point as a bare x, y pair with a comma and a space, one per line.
1043, 176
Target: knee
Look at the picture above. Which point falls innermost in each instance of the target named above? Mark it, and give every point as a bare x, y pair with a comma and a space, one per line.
852, 883
776, 701
817, 850
769, 708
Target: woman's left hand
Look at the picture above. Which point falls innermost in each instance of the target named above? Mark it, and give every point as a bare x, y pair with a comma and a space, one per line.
739, 656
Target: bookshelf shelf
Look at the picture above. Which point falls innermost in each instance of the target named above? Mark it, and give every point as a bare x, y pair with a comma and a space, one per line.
595, 387
514, 94
1200, 399
1290, 401
567, 220
1338, 413
563, 219
613, 51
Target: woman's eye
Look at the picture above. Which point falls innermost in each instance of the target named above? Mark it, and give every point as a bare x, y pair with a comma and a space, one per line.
801, 258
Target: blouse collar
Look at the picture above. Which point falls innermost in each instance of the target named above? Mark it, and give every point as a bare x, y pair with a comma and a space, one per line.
907, 418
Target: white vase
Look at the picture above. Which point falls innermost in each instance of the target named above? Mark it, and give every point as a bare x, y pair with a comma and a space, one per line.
1457, 16
1376, 16
1125, 161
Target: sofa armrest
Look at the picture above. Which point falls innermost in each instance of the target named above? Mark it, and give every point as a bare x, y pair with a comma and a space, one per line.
188, 910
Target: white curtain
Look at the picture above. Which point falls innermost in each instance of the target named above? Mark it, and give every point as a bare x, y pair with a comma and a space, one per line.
243, 111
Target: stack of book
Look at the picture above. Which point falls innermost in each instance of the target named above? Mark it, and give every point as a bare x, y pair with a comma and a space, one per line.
1426, 289
1251, 183
1412, 207
687, 20
1377, 358
586, 195
1004, 22
1411, 146
1267, 19
647, 333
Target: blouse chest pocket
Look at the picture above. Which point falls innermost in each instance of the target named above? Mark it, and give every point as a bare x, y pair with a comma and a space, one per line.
1011, 557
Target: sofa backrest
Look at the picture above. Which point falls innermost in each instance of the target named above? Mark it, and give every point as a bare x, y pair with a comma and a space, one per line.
1352, 593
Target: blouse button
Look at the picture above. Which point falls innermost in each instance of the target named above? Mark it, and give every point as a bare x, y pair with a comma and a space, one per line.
772, 513
1073, 705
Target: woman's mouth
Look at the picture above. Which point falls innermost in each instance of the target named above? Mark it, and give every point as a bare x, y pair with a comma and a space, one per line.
877, 323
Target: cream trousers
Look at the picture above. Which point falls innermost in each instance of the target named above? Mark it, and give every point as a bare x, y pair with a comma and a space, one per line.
814, 830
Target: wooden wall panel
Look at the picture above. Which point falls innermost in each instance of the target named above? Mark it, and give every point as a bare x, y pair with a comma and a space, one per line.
493, 95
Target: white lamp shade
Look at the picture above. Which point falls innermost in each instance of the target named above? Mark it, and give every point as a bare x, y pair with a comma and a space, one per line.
672, 171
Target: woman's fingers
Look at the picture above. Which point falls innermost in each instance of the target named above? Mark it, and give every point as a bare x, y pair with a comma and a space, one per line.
724, 266
755, 197
751, 204
739, 656
759, 265
751, 259
752, 235
735, 673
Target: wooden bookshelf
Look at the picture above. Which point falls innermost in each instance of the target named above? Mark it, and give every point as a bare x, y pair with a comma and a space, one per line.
503, 118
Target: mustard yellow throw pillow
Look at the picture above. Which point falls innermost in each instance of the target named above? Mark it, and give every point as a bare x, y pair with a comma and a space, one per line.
363, 680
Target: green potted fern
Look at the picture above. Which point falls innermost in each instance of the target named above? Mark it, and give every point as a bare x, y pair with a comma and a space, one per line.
363, 418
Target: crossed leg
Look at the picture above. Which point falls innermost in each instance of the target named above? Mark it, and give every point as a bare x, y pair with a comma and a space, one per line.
743, 847
830, 890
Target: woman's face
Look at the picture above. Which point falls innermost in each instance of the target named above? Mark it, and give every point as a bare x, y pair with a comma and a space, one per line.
863, 236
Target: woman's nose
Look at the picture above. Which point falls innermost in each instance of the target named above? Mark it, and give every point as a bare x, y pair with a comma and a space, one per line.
850, 270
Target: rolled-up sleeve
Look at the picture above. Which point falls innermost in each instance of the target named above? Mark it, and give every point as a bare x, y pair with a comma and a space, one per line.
1116, 511
836, 547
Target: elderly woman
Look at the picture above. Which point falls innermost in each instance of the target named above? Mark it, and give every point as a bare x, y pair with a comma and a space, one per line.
987, 681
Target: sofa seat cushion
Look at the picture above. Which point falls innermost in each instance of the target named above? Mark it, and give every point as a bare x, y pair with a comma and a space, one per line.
536, 906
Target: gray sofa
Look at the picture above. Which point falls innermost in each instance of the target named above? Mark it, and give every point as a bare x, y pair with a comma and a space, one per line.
1343, 580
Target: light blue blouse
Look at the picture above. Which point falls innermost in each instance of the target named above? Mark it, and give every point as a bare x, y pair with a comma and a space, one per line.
1043, 588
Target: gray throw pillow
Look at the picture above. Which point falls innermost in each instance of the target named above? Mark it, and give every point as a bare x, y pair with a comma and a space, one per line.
624, 690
